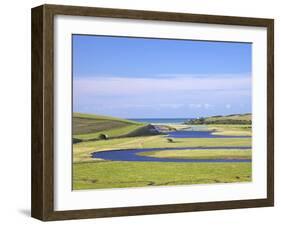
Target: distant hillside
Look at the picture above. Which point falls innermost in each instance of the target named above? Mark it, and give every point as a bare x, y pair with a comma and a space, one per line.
88, 123
245, 119
93, 127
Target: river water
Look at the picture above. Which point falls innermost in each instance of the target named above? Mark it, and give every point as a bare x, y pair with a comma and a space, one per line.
132, 154
198, 134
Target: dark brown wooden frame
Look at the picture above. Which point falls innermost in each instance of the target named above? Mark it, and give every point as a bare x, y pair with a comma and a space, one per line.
42, 203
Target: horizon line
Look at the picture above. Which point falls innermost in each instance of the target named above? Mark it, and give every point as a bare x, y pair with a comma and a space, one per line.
182, 117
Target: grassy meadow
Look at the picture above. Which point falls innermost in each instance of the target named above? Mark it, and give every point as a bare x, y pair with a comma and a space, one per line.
95, 173
105, 174
201, 154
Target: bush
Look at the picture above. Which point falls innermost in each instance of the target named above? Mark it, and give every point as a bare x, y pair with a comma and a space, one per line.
103, 136
76, 140
170, 140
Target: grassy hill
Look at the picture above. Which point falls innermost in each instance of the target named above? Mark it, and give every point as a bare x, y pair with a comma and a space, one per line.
90, 127
245, 119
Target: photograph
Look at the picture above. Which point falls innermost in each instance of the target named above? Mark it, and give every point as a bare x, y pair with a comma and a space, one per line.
150, 112
139, 112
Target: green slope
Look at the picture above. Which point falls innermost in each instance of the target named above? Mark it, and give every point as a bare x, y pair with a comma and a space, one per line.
241, 119
103, 117
90, 127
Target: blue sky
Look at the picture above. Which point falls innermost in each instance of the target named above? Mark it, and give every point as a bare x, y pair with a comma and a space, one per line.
160, 78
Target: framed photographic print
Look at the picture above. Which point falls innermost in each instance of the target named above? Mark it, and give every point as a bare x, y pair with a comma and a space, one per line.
141, 112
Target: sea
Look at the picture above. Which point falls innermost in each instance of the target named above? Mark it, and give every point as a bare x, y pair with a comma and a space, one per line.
161, 120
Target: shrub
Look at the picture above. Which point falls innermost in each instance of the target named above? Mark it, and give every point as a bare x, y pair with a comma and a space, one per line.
170, 140
103, 136
75, 140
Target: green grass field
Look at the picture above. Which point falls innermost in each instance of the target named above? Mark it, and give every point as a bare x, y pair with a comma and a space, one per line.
90, 173
200, 154
137, 174
93, 173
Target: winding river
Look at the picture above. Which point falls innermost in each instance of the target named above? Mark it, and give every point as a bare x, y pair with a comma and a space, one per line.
133, 154
198, 134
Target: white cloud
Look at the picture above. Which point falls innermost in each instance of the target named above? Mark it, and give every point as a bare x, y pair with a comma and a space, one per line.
112, 86
166, 96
